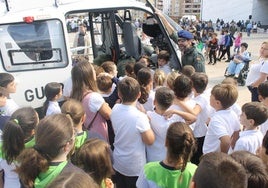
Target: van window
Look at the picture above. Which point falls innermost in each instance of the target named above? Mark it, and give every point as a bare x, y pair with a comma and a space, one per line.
32, 46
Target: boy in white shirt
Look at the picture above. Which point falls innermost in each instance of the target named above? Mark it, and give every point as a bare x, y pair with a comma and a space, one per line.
163, 99
132, 131
224, 126
163, 61
253, 114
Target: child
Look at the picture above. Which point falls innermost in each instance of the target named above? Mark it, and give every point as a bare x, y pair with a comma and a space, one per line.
188, 70
171, 77
237, 42
255, 168
235, 107
75, 110
217, 170
7, 81
132, 131
54, 140
159, 124
224, 126
53, 92
71, 179
3, 101
129, 71
175, 170
213, 45
85, 90
263, 97
94, 157
145, 80
163, 61
21, 124
159, 78
253, 114
202, 110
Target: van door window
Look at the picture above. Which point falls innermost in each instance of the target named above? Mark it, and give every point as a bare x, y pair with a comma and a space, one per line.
31, 46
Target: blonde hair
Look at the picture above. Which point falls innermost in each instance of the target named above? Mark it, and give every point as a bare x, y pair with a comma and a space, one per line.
171, 77
159, 78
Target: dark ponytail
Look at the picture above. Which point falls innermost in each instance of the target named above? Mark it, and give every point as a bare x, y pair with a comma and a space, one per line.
144, 78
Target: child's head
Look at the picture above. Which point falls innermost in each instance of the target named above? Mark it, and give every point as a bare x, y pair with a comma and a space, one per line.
223, 96
128, 90
182, 86
98, 69
110, 68
138, 66
163, 98
146, 60
104, 82
3, 96
145, 80
217, 170
54, 137
200, 82
263, 91
255, 168
254, 114
7, 81
70, 179
17, 131
53, 91
171, 77
245, 45
188, 70
75, 110
230, 80
159, 78
94, 157
163, 58
180, 144
129, 69
83, 78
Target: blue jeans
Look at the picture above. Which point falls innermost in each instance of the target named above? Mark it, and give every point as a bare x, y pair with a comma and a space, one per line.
235, 68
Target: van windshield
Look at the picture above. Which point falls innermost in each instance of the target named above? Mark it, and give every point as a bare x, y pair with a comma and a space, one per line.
30, 46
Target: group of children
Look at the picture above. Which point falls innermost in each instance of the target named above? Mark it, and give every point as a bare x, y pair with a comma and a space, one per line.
147, 129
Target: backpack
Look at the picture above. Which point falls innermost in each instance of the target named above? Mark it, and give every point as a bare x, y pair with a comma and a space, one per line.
231, 41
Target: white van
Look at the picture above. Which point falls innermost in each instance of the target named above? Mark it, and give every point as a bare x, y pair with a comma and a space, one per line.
36, 46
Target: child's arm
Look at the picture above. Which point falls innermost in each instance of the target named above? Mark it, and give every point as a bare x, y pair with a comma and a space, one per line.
148, 137
234, 138
190, 118
195, 111
225, 143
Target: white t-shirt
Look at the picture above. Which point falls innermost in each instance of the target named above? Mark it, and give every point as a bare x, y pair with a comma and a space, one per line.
200, 128
149, 105
264, 127
95, 102
222, 123
129, 150
159, 124
237, 109
191, 103
9, 108
166, 68
249, 140
53, 108
11, 177
255, 71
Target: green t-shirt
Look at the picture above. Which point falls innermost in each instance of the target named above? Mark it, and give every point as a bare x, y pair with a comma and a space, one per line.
158, 175
80, 139
44, 178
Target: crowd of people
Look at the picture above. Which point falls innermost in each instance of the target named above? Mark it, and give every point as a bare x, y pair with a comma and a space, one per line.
148, 128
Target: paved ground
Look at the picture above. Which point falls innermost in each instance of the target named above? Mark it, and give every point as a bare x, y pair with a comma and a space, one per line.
216, 72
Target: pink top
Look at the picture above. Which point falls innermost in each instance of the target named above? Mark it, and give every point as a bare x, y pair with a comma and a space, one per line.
238, 41
99, 125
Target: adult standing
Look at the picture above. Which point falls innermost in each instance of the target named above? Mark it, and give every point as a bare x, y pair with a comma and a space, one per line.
82, 39
184, 39
227, 46
258, 72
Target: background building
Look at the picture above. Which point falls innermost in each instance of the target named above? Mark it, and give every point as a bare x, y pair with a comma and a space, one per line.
236, 10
